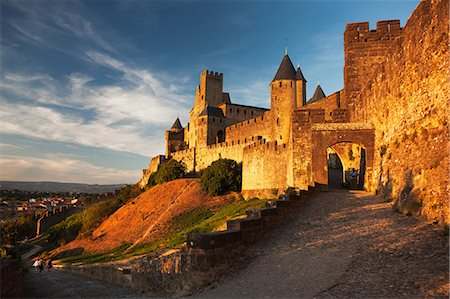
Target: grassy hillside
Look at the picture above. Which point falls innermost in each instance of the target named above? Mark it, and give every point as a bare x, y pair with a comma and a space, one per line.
157, 219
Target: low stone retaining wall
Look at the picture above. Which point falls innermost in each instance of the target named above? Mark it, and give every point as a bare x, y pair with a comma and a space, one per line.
11, 279
205, 258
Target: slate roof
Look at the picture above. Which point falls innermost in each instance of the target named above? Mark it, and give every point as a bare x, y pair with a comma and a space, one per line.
318, 95
226, 98
212, 111
177, 124
299, 75
286, 70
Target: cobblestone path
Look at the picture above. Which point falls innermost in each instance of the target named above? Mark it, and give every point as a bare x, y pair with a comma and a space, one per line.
343, 245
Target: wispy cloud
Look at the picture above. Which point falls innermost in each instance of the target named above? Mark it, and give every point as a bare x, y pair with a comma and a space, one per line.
9, 146
257, 93
60, 168
128, 113
53, 22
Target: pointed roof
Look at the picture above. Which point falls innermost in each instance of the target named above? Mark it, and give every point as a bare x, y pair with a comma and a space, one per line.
177, 124
318, 95
299, 74
286, 70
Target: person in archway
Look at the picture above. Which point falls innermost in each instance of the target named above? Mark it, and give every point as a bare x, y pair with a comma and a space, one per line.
353, 178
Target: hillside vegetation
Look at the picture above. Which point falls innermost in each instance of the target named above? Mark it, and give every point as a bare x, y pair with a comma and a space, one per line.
159, 218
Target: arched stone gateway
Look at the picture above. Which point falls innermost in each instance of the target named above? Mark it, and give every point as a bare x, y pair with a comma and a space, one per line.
346, 165
352, 142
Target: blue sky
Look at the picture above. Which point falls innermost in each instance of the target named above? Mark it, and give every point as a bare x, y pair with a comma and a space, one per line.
88, 87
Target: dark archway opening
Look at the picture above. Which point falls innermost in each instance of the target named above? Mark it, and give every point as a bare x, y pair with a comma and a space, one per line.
220, 137
335, 171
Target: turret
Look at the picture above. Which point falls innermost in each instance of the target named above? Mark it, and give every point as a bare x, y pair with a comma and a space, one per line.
174, 138
300, 85
209, 91
318, 94
283, 99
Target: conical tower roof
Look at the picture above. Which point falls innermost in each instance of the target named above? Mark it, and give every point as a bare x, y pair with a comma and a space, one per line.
299, 74
177, 124
286, 70
318, 95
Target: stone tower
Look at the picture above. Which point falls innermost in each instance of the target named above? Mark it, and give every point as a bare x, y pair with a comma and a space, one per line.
174, 138
208, 94
283, 99
364, 50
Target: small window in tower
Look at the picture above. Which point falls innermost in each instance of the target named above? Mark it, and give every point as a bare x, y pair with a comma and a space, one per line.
278, 121
281, 137
202, 97
239, 142
280, 84
291, 83
245, 140
202, 119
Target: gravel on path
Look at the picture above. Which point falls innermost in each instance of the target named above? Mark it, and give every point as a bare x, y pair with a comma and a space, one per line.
343, 245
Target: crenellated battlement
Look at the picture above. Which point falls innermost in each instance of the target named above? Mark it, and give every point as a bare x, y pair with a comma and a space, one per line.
264, 145
245, 123
212, 74
360, 32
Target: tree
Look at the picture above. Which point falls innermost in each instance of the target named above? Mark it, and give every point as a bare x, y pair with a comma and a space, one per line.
221, 176
167, 172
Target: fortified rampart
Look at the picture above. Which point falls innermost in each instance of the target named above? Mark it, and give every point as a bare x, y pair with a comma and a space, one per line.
364, 49
47, 219
252, 129
407, 101
329, 104
389, 122
259, 171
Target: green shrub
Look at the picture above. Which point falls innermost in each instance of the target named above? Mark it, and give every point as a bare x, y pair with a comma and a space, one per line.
167, 172
221, 176
8, 232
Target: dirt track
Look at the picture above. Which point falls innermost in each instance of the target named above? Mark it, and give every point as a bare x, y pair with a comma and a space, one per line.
339, 245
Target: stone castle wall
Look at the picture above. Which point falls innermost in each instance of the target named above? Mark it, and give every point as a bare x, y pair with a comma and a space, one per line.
330, 104
202, 157
259, 170
247, 130
407, 102
364, 49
